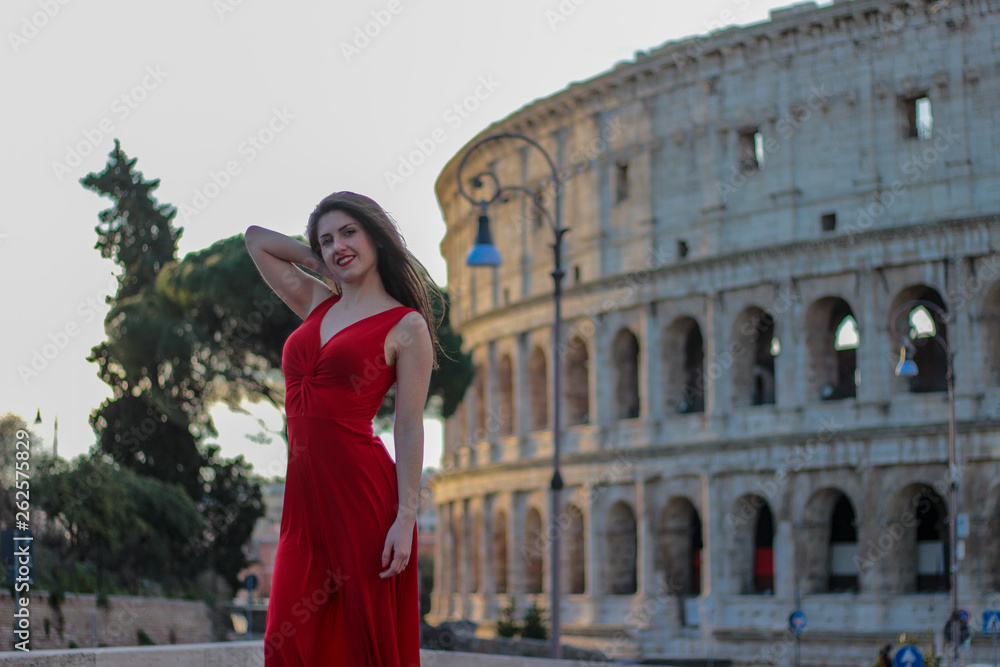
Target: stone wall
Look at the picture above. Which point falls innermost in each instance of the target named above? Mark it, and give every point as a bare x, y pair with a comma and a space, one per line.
165, 621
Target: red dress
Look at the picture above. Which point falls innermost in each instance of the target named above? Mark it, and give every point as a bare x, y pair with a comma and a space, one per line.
328, 605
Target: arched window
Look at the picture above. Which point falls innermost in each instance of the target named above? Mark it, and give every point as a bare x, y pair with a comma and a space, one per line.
500, 552
832, 341
621, 550
577, 382
679, 547
533, 549
843, 547
753, 376
829, 540
763, 554
925, 333
626, 361
932, 543
505, 389
917, 533
538, 389
574, 552
684, 367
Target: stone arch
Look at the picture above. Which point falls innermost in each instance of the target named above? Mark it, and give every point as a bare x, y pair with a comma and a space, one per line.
577, 382
622, 550
538, 389
625, 357
991, 335
679, 547
829, 539
752, 524
574, 565
754, 346
499, 542
831, 343
683, 355
533, 549
925, 333
505, 394
916, 539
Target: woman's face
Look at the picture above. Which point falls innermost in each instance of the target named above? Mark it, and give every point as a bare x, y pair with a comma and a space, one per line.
347, 248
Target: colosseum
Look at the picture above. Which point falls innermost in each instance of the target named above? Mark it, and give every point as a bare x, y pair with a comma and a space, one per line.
763, 223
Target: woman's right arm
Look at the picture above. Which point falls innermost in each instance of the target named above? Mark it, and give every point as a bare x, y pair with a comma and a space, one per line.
276, 256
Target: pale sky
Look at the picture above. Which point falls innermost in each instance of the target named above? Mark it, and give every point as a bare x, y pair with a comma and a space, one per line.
249, 112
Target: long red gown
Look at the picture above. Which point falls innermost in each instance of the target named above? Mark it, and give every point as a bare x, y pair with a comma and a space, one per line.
328, 605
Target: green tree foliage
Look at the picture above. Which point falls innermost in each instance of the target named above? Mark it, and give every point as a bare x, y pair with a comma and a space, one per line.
129, 527
10, 425
534, 624
507, 625
158, 361
231, 495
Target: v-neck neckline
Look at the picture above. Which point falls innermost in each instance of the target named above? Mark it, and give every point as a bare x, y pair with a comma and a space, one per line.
322, 344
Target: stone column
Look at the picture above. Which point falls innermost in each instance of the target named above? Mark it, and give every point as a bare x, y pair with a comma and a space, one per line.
876, 343
785, 572
594, 534
791, 365
520, 382
645, 539
603, 373
652, 399
488, 586
515, 540
717, 362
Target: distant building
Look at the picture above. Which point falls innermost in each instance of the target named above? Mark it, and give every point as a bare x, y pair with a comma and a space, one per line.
751, 214
264, 541
427, 517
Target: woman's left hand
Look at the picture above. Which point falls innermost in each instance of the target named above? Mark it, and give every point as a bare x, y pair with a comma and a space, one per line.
398, 544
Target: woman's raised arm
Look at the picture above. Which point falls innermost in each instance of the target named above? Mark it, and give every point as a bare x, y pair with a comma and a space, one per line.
276, 256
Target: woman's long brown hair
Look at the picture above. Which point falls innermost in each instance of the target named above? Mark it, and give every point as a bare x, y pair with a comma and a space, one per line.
403, 276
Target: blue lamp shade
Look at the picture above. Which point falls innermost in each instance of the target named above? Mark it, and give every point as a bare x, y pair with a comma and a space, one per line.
483, 253
906, 366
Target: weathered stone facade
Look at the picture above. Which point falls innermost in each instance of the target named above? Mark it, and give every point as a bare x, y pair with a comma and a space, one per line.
749, 211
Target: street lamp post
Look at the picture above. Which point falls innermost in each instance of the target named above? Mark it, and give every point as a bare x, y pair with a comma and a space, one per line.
484, 253
908, 368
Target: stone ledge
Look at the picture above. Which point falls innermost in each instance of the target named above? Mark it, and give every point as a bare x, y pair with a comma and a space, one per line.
231, 654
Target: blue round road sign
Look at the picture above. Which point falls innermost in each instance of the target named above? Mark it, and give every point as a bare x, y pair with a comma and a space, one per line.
797, 621
908, 656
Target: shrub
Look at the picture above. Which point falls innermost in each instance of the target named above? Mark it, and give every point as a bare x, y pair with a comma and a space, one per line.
506, 625
534, 626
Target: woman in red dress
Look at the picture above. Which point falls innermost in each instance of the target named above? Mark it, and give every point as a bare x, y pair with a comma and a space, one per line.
342, 591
